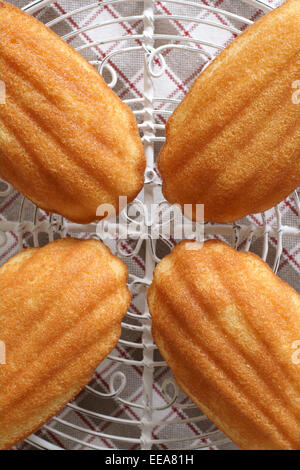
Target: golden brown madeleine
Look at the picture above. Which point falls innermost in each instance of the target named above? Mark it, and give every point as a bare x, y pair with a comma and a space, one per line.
61, 311
68, 143
227, 327
233, 144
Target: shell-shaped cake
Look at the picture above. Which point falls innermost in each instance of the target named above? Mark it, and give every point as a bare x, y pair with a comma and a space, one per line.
61, 311
229, 328
233, 144
68, 143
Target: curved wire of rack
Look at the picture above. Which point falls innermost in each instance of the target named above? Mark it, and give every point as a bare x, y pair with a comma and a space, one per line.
140, 324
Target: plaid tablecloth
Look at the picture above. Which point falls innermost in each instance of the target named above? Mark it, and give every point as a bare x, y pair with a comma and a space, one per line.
179, 74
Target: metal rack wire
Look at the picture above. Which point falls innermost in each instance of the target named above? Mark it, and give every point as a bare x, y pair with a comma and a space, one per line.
136, 327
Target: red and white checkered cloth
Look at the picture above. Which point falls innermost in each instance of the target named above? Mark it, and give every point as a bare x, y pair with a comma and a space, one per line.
182, 68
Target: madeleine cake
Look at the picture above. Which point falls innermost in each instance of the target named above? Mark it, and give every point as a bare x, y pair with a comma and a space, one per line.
60, 315
229, 328
68, 143
233, 144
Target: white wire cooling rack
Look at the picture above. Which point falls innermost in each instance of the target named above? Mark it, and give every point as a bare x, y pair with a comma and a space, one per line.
137, 430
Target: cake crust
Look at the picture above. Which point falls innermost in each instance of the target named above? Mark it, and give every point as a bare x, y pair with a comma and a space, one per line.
227, 327
68, 143
233, 143
60, 316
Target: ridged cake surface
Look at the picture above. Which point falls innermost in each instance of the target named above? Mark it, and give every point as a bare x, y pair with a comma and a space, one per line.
229, 328
233, 144
68, 143
60, 315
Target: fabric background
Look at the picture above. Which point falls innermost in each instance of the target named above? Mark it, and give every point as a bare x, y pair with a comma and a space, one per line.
182, 68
